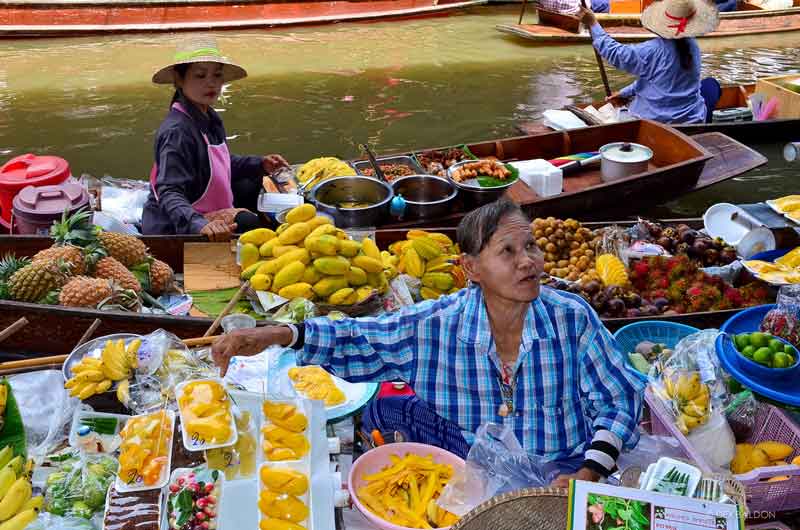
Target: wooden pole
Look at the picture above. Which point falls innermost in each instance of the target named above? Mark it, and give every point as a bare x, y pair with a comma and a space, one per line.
200, 341
33, 363
522, 12
88, 333
13, 328
227, 309
600, 64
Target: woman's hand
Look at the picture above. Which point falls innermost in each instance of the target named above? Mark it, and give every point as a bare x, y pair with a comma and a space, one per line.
587, 17
584, 473
616, 99
247, 342
218, 230
272, 163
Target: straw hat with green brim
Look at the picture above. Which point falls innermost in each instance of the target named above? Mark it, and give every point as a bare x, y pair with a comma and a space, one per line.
199, 50
678, 19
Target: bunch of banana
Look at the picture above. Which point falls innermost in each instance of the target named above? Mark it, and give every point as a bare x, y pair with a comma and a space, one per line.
690, 399
94, 376
17, 507
323, 168
308, 257
434, 259
3, 402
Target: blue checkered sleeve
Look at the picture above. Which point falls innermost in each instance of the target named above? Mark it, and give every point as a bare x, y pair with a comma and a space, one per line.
382, 348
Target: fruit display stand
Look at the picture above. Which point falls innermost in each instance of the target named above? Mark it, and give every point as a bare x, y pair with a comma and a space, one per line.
788, 101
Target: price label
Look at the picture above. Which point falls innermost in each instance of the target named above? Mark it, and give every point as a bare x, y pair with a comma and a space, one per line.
134, 477
197, 440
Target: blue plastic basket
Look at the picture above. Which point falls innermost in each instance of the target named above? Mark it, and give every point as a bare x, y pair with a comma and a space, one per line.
746, 321
660, 332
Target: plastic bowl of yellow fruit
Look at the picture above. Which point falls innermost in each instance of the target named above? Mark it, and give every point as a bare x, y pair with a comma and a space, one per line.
410, 503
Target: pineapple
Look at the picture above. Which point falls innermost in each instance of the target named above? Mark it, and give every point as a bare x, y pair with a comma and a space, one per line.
161, 277
8, 266
69, 254
76, 230
82, 291
111, 269
34, 281
128, 250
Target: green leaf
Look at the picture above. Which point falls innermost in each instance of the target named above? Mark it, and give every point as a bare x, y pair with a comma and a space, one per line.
624, 514
13, 432
182, 507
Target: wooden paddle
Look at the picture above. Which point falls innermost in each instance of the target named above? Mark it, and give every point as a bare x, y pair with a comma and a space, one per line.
13, 328
522, 12
600, 64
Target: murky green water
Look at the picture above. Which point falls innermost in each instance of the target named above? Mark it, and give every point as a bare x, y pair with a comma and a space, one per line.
322, 90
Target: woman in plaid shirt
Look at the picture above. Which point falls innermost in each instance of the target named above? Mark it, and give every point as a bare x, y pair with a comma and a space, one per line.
504, 350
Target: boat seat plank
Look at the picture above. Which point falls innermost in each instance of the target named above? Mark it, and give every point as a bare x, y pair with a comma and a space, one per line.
209, 266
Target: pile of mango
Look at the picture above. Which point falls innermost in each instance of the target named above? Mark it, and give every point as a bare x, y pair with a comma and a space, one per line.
308, 257
763, 454
434, 259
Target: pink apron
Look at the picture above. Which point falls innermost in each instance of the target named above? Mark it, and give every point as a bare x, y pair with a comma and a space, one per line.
218, 194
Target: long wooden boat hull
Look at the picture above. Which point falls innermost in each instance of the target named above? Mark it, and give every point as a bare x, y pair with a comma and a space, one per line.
53, 330
62, 18
560, 29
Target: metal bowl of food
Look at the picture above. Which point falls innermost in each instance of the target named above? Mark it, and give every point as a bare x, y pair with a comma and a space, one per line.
464, 175
425, 196
353, 201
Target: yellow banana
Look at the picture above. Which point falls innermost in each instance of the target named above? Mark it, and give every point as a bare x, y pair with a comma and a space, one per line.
16, 464
123, 391
103, 386
17, 496
89, 376
88, 391
7, 479
21, 520
34, 503
131, 351
6, 454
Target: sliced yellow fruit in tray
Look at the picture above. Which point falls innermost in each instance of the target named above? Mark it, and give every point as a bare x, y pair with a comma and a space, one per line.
611, 270
761, 267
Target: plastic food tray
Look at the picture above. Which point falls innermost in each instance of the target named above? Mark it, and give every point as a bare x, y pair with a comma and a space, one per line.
771, 424
166, 493
303, 466
195, 444
80, 414
662, 467
122, 487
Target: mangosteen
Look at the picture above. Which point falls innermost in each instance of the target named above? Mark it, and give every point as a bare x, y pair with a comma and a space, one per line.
682, 228
689, 236
665, 243
632, 299
728, 255
612, 291
711, 257
660, 304
615, 307
633, 312
669, 232
574, 288
599, 301
682, 248
592, 287
699, 247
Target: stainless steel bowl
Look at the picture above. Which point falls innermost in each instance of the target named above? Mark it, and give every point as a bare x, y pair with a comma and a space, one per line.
473, 194
329, 193
92, 348
425, 196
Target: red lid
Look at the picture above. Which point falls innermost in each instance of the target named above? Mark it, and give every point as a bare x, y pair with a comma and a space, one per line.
50, 200
32, 170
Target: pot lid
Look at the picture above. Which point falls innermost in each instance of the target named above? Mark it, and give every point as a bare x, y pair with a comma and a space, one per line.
626, 152
32, 170
51, 200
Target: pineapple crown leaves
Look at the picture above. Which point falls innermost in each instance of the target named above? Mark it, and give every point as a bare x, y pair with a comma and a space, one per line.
75, 229
120, 300
10, 264
142, 273
51, 298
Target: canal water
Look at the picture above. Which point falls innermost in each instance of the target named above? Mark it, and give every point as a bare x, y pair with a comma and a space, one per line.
322, 90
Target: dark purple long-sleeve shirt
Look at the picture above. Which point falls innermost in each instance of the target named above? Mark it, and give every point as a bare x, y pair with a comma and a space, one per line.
184, 170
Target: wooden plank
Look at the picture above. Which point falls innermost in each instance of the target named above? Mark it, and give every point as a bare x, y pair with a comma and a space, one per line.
209, 266
731, 158
788, 101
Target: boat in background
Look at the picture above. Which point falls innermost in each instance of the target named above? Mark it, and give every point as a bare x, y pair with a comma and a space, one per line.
64, 18
733, 97
556, 28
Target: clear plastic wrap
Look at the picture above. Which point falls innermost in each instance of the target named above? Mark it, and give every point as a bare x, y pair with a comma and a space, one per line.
784, 320
295, 311
79, 487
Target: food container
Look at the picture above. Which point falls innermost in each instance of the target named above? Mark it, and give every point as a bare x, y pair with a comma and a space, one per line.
425, 196
739, 229
328, 194
216, 508
82, 415
28, 170
131, 511
472, 193
35, 209
407, 161
195, 442
621, 160
724, 346
664, 466
138, 484
301, 467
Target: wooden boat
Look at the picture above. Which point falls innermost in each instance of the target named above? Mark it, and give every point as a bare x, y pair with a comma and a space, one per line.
52, 330
556, 28
62, 18
733, 96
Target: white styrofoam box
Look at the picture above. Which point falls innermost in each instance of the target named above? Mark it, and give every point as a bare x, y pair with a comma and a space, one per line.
541, 176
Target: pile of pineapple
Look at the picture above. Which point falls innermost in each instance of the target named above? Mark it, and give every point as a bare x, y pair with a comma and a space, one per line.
86, 267
308, 257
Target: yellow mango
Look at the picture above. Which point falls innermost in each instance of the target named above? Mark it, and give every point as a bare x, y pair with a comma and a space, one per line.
369, 264
332, 265
370, 249
346, 296
741, 459
261, 282
775, 450
248, 255
318, 221
311, 276
294, 234
291, 273
323, 230
286, 507
758, 458
268, 523
273, 266
284, 480
326, 244
285, 415
796, 461
251, 270
280, 250
281, 229
299, 214
356, 276
329, 285
267, 248
257, 237
297, 290
349, 248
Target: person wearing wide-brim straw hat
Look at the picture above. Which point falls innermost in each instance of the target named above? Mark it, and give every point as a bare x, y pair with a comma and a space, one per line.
196, 184
669, 88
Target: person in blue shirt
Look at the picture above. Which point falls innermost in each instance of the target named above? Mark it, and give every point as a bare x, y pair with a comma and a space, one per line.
669, 88
504, 350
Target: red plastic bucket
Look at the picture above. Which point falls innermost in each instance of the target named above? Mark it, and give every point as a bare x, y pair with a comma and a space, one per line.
28, 170
35, 208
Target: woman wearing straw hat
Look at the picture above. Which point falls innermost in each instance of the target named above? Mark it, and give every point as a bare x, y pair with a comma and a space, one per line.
669, 88
196, 184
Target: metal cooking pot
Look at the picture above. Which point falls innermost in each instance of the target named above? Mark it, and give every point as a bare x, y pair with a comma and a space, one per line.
329, 193
623, 159
472, 194
425, 196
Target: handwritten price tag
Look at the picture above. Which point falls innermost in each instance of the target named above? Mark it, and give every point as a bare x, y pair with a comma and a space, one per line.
197, 440
134, 477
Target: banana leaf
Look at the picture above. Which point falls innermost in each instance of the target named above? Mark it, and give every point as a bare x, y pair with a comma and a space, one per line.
213, 302
13, 432
491, 182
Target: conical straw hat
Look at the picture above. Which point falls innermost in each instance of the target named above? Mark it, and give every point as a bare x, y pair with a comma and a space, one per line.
199, 49
677, 19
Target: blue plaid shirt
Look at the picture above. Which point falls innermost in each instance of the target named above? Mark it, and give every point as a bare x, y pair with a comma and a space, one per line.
571, 379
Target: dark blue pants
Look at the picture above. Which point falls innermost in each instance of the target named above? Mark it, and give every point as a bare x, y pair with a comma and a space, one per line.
727, 5
416, 421
711, 92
